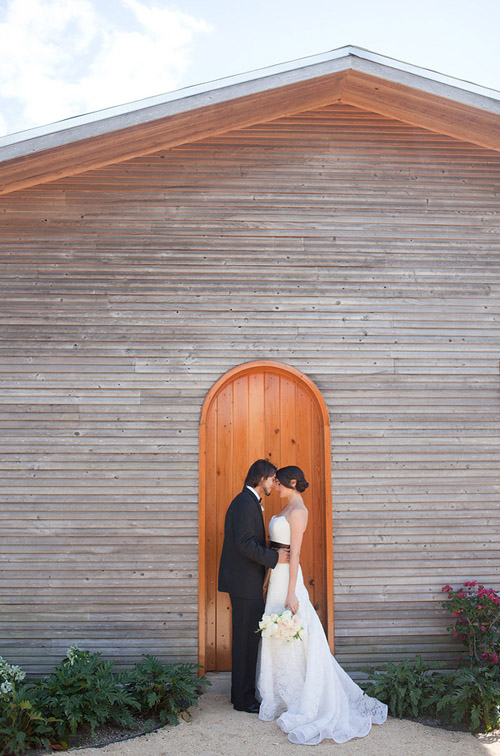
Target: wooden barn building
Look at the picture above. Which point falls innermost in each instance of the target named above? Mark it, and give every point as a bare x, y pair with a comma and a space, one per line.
302, 264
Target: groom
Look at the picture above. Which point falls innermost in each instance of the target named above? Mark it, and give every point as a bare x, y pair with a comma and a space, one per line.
242, 568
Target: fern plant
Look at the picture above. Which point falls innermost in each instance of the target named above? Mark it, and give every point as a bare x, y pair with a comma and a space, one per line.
165, 691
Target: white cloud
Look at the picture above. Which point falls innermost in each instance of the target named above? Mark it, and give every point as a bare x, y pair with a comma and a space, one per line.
60, 58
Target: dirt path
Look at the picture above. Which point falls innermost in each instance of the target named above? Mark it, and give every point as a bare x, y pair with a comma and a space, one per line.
217, 730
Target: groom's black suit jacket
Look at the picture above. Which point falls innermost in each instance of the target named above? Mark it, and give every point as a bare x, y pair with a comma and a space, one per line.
244, 555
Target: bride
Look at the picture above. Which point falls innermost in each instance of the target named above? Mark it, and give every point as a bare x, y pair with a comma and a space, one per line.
299, 681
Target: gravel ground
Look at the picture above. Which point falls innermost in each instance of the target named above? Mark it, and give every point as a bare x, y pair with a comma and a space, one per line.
217, 730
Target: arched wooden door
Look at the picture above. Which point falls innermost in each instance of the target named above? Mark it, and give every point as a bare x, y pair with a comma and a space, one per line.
261, 409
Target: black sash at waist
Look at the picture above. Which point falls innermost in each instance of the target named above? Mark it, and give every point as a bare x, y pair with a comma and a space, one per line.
276, 545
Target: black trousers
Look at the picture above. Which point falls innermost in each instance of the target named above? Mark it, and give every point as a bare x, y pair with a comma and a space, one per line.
246, 616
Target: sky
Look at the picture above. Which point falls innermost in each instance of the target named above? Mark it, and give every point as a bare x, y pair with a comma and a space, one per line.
62, 58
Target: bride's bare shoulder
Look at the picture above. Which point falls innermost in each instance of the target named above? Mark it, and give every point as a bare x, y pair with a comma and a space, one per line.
298, 514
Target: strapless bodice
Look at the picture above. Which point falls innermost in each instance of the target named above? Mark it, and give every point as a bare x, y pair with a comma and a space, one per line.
279, 529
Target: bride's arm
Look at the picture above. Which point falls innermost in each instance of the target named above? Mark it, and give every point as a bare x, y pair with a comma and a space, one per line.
298, 521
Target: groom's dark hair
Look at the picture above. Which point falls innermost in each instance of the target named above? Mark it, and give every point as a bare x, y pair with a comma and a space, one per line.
262, 468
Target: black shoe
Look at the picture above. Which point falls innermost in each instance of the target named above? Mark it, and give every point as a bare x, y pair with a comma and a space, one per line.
253, 708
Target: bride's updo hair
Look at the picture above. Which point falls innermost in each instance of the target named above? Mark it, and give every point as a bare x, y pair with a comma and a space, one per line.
286, 474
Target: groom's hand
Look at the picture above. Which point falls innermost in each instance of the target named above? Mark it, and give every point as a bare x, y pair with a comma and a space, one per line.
283, 556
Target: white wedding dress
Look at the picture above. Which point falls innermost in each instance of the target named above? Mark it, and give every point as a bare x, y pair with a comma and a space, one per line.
299, 681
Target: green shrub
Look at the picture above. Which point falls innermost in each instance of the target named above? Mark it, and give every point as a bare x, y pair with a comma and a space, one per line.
472, 697
22, 726
83, 690
465, 696
165, 691
408, 688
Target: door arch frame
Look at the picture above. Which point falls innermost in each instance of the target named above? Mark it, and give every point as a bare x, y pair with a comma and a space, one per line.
248, 368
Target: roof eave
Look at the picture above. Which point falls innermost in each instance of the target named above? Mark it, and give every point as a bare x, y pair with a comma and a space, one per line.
349, 75
223, 90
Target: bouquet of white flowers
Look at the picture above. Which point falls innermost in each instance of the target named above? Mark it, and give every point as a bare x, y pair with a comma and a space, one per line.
286, 626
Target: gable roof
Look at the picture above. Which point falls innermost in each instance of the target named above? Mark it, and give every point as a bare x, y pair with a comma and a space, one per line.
348, 75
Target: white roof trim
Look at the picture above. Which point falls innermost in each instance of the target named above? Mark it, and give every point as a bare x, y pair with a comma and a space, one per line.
222, 90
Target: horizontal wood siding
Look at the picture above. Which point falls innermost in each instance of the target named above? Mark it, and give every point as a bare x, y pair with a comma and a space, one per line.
360, 250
